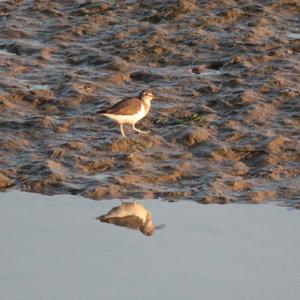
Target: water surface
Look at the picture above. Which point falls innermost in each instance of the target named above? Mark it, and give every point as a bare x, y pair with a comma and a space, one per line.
54, 248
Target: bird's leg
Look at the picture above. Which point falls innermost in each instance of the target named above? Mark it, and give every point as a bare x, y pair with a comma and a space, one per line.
138, 130
122, 130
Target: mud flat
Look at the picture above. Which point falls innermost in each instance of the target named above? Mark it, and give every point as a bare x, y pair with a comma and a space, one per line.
225, 123
52, 247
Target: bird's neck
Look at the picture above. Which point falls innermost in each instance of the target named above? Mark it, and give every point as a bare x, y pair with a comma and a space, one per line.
146, 104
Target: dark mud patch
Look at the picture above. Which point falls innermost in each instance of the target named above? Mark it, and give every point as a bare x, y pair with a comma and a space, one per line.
225, 123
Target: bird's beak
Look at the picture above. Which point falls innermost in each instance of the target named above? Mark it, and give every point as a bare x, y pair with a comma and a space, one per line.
160, 226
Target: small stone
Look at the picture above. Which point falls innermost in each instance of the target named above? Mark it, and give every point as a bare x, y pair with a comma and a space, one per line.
5, 182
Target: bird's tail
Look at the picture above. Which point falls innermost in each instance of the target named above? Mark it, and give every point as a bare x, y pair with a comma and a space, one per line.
103, 218
102, 111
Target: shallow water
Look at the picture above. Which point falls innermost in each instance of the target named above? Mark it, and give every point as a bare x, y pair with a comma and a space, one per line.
225, 121
54, 248
294, 35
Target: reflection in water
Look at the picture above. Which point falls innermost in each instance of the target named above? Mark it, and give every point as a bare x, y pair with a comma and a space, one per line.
132, 216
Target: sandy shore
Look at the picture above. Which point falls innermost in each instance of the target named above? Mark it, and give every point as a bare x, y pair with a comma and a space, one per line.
225, 122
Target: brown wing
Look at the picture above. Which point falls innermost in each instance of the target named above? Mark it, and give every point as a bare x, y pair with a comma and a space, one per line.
127, 106
131, 222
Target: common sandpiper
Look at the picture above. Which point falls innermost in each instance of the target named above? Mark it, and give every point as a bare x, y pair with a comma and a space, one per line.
130, 110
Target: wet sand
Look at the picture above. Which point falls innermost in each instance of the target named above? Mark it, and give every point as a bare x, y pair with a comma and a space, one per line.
54, 248
225, 122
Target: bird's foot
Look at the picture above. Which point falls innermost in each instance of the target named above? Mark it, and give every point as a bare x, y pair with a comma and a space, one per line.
140, 131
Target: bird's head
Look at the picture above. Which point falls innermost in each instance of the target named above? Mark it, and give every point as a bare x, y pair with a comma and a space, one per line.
148, 227
146, 95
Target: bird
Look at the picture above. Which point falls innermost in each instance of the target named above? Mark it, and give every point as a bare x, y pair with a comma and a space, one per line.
129, 110
130, 215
